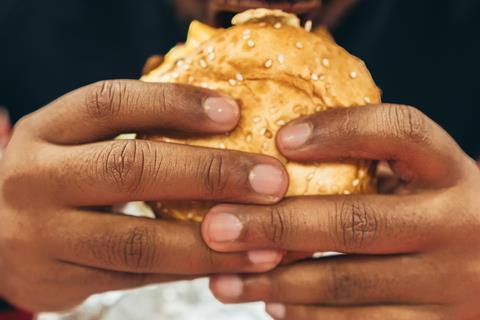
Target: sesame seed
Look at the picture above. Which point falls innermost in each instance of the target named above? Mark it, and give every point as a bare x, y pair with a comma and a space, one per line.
246, 36
232, 82
179, 63
310, 177
203, 63
322, 77
188, 60
265, 145
280, 122
268, 63
211, 56
256, 119
204, 85
209, 49
314, 77
281, 58
353, 75
195, 44
308, 25
249, 138
277, 25
263, 130
326, 62
355, 182
239, 77
299, 45
251, 43
221, 146
367, 100
175, 75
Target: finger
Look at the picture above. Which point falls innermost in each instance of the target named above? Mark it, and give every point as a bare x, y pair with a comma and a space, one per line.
139, 245
105, 109
420, 150
298, 312
77, 283
372, 224
338, 281
127, 170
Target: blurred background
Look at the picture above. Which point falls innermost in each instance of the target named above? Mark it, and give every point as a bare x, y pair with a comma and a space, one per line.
423, 53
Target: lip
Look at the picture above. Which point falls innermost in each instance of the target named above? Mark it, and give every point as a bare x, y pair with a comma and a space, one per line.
221, 11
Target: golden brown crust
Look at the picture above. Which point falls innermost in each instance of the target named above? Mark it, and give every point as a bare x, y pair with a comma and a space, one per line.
277, 72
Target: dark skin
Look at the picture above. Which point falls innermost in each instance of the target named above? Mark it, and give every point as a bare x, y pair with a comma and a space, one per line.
413, 252
61, 167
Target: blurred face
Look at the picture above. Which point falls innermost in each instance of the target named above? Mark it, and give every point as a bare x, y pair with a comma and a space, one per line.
220, 12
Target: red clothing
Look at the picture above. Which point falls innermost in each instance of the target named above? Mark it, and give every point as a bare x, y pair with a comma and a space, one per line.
15, 315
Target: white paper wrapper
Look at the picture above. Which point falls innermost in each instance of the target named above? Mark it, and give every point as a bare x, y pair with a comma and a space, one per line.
176, 301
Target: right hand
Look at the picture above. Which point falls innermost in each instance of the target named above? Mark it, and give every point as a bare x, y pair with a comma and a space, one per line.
57, 247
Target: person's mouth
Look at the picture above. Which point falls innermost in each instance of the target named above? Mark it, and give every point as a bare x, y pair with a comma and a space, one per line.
220, 12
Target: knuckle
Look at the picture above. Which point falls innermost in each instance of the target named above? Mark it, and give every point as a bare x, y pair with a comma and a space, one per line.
349, 126
341, 286
406, 122
276, 228
104, 98
136, 248
123, 165
24, 123
215, 174
166, 97
356, 224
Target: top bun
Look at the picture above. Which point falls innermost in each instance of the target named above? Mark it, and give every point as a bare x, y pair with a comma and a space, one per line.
277, 71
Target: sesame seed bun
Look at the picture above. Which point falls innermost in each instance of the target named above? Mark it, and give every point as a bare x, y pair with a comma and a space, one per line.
277, 71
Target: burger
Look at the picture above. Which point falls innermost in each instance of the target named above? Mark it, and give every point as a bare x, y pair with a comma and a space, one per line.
277, 70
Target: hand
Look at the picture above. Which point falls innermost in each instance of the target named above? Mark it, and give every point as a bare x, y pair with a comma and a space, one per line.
57, 247
5, 129
413, 254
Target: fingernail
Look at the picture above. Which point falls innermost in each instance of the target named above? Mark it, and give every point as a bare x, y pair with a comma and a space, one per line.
295, 136
222, 110
276, 310
266, 179
230, 287
223, 227
264, 256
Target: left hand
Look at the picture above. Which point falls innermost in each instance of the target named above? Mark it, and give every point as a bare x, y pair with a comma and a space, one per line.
413, 254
